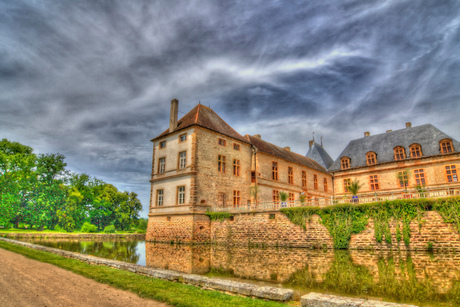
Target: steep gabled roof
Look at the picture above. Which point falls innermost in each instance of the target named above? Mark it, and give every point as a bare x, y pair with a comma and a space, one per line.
282, 153
320, 155
427, 136
204, 117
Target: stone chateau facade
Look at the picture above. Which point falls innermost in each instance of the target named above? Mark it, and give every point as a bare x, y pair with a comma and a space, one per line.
202, 162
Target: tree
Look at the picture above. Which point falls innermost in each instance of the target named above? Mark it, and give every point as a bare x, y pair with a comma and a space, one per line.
17, 165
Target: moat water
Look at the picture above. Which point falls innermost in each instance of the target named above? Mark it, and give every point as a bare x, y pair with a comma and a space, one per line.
421, 278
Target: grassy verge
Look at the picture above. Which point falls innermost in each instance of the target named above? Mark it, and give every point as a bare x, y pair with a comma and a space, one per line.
175, 294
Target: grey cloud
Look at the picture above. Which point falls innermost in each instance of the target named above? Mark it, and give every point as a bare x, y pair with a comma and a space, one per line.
93, 79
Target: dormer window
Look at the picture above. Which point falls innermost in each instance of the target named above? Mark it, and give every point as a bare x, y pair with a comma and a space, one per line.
446, 146
400, 153
345, 162
371, 158
415, 151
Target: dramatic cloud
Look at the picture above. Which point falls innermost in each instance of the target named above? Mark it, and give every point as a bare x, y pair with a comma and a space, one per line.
93, 79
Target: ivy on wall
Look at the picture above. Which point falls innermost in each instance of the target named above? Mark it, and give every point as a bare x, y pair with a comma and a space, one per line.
221, 216
346, 219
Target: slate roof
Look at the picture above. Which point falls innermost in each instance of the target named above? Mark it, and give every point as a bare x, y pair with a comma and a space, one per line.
320, 155
204, 117
427, 136
282, 153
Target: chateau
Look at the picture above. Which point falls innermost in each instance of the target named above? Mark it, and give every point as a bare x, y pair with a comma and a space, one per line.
201, 162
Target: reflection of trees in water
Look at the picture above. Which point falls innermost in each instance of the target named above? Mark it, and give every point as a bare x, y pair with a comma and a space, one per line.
397, 279
117, 250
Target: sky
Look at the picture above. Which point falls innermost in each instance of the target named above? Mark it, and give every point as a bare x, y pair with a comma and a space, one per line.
93, 80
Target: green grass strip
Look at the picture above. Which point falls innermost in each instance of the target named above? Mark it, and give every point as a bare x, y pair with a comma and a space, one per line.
175, 294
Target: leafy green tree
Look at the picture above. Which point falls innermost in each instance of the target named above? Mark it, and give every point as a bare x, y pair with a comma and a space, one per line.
17, 166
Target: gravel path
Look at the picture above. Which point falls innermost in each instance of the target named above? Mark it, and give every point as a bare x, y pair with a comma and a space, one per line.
26, 282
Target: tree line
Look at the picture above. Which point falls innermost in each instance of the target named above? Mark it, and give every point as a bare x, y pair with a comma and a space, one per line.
36, 189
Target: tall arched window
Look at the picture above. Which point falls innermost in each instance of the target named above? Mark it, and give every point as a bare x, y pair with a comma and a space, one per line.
400, 153
445, 146
415, 151
371, 158
346, 162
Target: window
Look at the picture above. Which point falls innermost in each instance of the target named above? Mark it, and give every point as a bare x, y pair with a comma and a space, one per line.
162, 144
236, 167
161, 165
374, 182
182, 159
253, 176
181, 195
403, 179
183, 137
276, 196
236, 146
159, 198
346, 184
291, 197
446, 146
290, 175
221, 164
451, 172
399, 153
415, 151
345, 162
371, 158
222, 142
315, 181
236, 199
304, 179
420, 178
325, 184
221, 200
275, 170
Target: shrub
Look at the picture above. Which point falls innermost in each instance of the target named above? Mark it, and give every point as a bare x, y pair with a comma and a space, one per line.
110, 229
88, 227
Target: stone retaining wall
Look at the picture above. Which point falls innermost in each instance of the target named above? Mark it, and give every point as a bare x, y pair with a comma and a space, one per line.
326, 300
78, 236
275, 229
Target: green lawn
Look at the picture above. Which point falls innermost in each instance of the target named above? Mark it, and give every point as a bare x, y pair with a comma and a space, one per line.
175, 294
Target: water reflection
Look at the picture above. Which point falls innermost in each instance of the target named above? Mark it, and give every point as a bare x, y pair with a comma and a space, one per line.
127, 251
420, 278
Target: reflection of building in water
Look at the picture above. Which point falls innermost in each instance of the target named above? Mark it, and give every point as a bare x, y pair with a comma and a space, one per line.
438, 270
183, 258
306, 269
268, 264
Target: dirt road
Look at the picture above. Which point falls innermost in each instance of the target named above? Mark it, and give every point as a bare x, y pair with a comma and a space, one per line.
26, 282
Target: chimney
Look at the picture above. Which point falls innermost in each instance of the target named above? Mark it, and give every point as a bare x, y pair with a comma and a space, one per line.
310, 143
257, 136
173, 115
389, 130
408, 125
287, 148
367, 133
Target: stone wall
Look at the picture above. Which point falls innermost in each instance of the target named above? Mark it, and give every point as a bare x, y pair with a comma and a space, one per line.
269, 229
180, 228
443, 236
275, 229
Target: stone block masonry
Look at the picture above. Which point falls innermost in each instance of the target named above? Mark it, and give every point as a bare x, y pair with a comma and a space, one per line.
264, 229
